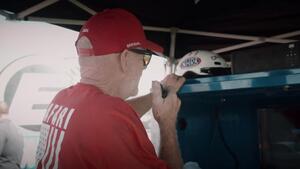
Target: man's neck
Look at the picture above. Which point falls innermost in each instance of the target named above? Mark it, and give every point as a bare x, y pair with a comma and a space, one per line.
110, 87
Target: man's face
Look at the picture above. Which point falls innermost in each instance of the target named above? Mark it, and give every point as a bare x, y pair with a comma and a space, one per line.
135, 70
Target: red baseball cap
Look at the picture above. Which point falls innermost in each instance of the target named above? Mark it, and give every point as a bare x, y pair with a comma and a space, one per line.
112, 31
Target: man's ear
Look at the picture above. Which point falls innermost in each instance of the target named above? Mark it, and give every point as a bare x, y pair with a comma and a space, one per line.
124, 60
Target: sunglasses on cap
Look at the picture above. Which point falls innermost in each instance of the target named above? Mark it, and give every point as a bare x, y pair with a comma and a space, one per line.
147, 54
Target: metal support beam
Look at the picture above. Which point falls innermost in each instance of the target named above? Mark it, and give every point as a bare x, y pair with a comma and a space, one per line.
220, 35
256, 42
173, 42
274, 39
57, 21
232, 36
289, 34
172, 49
83, 7
156, 29
35, 8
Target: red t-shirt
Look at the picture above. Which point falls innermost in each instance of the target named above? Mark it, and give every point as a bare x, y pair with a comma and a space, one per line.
87, 129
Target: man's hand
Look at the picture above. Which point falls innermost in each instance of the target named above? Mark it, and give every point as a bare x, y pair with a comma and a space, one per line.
143, 104
173, 81
165, 109
165, 113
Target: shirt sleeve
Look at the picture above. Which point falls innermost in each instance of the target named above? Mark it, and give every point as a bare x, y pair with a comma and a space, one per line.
123, 143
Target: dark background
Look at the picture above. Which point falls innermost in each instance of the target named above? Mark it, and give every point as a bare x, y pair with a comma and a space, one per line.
244, 17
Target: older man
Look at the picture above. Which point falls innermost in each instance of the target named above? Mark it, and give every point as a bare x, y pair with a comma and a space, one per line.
90, 125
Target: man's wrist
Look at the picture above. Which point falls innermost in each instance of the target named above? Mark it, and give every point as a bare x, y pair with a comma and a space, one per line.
167, 129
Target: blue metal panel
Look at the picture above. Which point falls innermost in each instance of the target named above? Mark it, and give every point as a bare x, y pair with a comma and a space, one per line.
243, 81
200, 140
235, 100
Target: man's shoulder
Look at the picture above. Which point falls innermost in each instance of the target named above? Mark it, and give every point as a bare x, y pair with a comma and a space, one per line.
110, 104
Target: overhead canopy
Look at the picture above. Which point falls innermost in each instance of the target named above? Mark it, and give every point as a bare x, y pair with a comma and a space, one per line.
182, 25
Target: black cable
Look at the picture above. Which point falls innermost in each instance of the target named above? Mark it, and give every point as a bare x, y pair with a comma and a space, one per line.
219, 127
212, 138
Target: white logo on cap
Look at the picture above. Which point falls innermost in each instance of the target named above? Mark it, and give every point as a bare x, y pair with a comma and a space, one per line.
129, 45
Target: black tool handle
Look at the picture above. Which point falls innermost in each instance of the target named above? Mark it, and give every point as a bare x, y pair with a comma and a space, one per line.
164, 92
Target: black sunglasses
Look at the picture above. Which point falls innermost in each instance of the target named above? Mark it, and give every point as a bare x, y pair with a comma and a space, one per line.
147, 54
